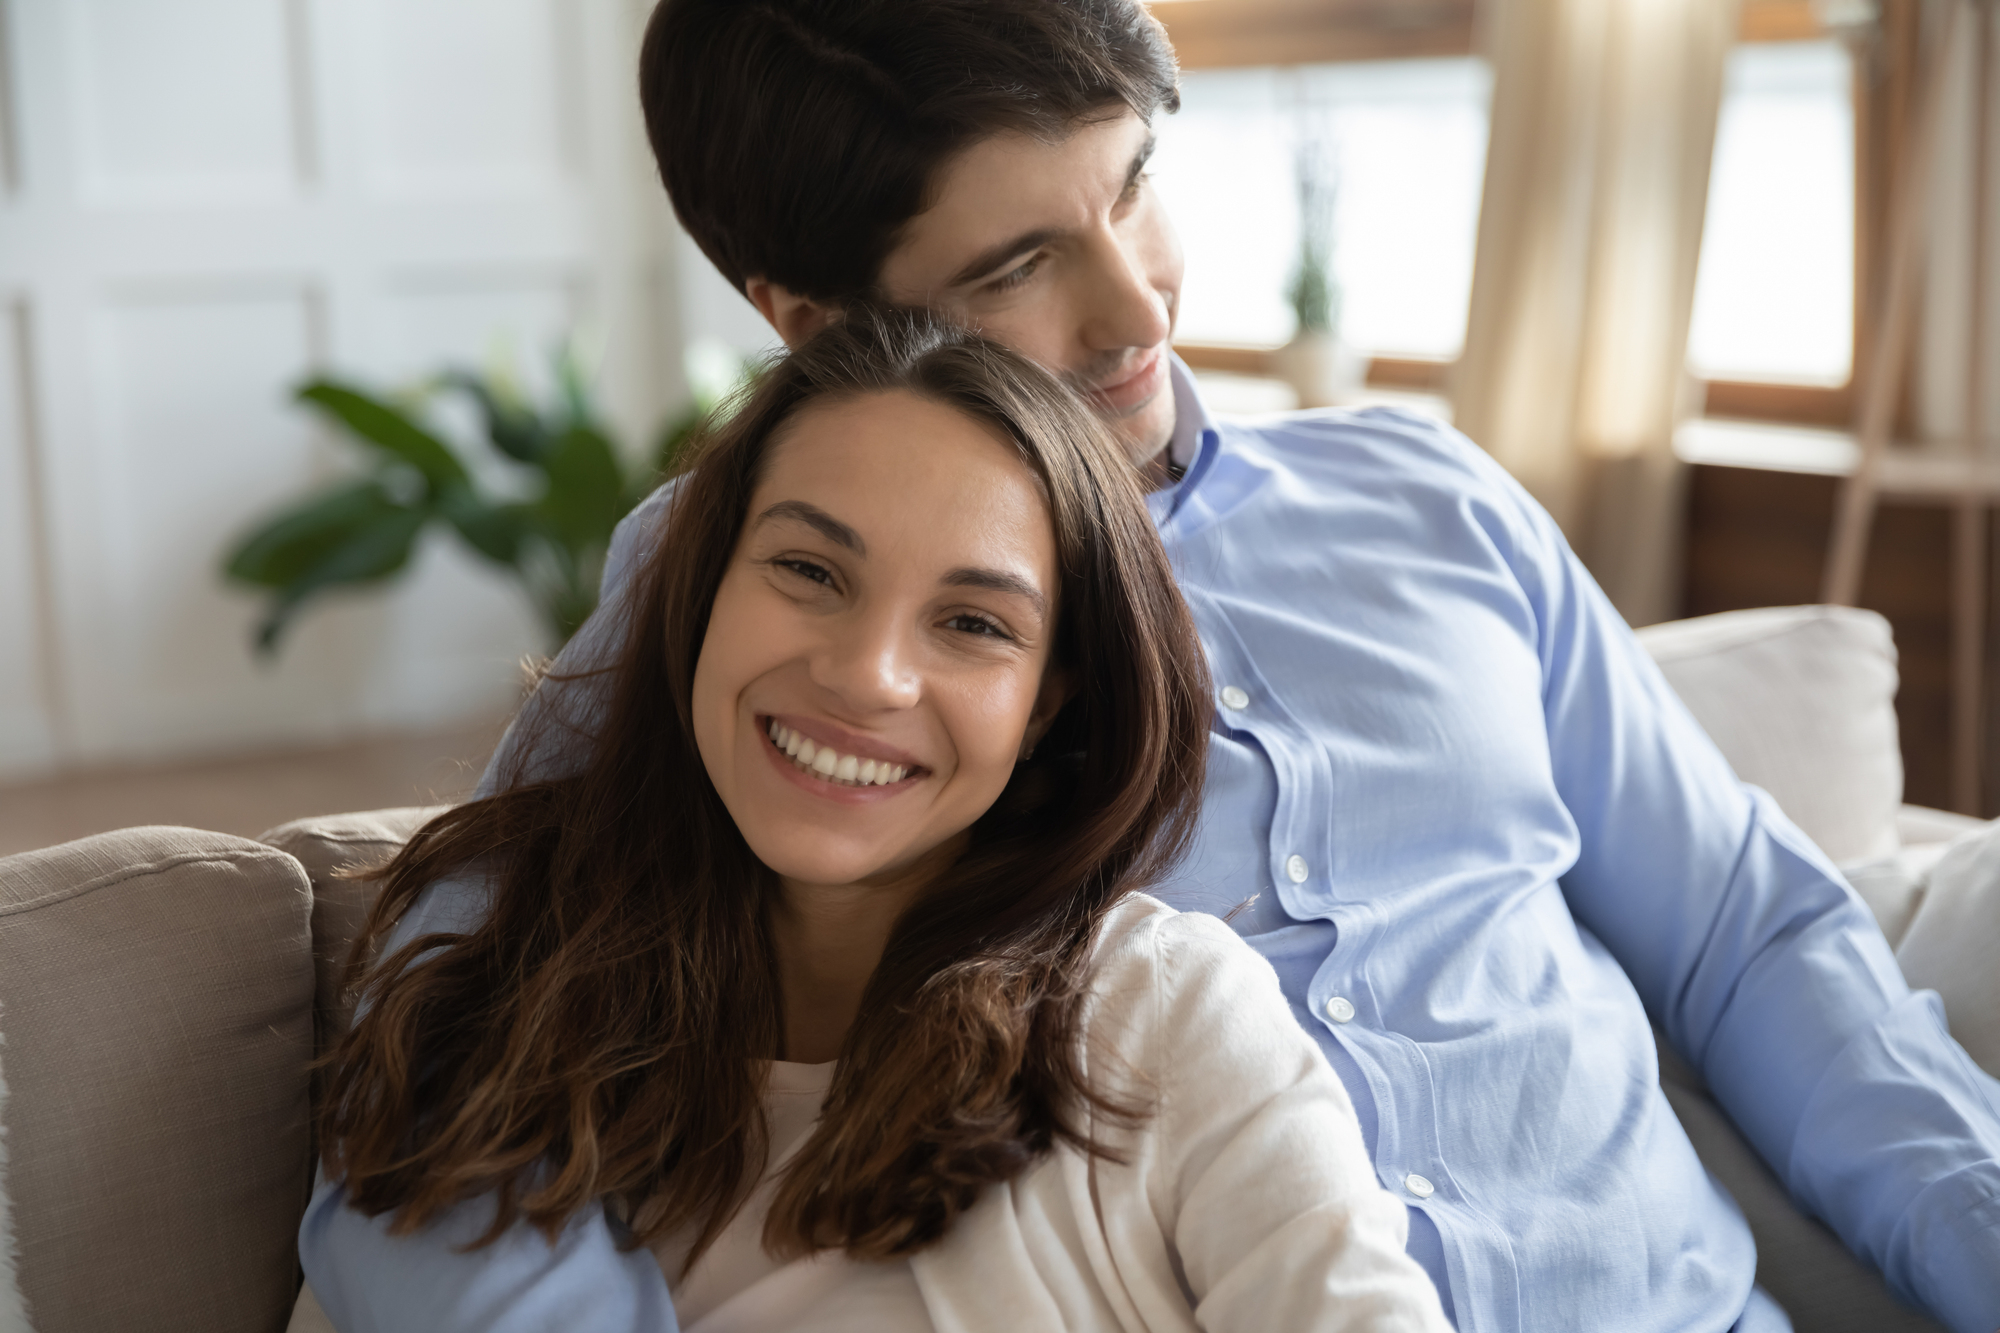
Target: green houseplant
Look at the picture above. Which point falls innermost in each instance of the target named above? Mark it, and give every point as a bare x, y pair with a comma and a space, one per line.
549, 525
1324, 371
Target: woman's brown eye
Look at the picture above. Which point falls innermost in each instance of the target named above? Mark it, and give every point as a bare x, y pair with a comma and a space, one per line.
977, 625
817, 573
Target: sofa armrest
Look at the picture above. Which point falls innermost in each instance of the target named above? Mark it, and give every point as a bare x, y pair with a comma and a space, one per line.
324, 845
156, 997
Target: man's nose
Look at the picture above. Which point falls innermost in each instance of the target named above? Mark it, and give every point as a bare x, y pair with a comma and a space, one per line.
868, 662
1124, 308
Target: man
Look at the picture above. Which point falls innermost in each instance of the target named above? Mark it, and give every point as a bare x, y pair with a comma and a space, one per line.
1480, 841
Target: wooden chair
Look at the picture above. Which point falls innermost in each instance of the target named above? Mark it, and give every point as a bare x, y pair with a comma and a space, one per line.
1963, 473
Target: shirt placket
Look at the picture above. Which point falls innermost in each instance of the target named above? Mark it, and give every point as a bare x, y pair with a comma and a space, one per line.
1300, 863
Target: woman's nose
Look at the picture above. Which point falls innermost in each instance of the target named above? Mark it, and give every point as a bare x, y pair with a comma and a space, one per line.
868, 662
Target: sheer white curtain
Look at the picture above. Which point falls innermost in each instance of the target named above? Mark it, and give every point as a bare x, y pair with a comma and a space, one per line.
1573, 374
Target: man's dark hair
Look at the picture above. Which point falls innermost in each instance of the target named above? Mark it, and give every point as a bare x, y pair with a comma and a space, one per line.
797, 137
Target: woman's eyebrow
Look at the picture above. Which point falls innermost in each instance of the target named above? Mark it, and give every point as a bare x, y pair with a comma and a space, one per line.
997, 580
820, 521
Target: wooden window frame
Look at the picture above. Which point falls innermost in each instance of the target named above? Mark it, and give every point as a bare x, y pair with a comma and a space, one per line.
1209, 34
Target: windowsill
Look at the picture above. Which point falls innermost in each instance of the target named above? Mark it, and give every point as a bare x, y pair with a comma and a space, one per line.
1229, 394
1931, 470
1766, 446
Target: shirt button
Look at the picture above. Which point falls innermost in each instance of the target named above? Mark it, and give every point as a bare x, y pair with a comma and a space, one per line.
1234, 699
1295, 866
1418, 1186
1339, 1010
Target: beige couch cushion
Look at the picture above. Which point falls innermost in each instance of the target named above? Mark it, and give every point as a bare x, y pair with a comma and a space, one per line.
323, 845
1953, 943
156, 991
13, 1315
1801, 700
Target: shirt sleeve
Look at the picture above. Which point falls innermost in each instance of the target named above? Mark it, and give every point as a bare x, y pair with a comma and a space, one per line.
562, 713
1263, 1183
551, 734
1763, 967
369, 1281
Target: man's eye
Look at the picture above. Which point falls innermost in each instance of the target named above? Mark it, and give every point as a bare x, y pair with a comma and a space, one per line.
1015, 277
1137, 184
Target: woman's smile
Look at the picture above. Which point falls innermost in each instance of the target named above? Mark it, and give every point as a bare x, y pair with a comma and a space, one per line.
841, 767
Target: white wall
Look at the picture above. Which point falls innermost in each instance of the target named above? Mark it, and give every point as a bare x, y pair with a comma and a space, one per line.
201, 201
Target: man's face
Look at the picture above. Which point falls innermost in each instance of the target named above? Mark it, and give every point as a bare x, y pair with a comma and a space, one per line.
1062, 252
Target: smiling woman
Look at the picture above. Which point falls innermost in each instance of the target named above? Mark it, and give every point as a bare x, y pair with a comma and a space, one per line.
824, 980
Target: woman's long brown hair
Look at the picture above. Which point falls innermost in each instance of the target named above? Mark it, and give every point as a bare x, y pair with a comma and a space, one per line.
598, 1035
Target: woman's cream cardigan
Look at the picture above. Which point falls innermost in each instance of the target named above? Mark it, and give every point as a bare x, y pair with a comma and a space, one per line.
1247, 1194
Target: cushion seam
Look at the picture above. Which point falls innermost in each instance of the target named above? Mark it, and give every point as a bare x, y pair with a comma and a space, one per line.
113, 878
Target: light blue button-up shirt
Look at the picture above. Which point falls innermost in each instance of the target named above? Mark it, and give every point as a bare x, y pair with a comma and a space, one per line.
1482, 844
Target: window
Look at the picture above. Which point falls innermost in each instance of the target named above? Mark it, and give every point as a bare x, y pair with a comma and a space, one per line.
1406, 144
1781, 285
1774, 295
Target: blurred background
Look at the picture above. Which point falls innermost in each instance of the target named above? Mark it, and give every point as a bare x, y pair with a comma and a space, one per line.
1634, 247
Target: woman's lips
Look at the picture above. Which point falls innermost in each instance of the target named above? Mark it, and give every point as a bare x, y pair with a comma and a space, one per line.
1137, 385
858, 787
823, 733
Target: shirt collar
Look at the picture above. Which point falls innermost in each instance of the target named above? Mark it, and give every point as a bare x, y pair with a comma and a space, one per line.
1191, 419
1192, 445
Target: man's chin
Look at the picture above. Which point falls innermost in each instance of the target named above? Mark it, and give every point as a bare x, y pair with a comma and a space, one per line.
1146, 429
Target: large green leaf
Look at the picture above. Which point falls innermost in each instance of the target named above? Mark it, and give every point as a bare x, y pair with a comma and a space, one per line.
286, 547
389, 429
367, 555
586, 492
514, 429
493, 530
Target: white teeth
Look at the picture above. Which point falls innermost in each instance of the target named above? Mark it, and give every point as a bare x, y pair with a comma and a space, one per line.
826, 762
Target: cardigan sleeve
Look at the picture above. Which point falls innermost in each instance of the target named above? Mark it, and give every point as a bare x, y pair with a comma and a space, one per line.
1262, 1182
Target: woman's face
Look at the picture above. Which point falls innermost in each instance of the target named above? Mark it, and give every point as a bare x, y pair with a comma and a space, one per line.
879, 651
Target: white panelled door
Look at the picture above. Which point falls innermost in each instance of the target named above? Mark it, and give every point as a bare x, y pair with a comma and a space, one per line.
205, 200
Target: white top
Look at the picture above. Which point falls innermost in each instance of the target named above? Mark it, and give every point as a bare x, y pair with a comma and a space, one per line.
737, 1287
1246, 1200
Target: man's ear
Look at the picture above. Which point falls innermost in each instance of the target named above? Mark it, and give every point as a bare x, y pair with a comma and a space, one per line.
1058, 685
795, 317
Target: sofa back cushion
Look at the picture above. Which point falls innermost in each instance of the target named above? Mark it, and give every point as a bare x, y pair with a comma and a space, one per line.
325, 845
1801, 701
156, 1004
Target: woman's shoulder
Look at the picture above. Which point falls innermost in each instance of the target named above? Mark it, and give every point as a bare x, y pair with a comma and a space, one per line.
1155, 962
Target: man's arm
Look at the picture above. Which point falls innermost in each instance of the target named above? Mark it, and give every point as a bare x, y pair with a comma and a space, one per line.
1763, 967
562, 712
369, 1281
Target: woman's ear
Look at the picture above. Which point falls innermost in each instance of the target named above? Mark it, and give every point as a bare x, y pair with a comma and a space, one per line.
1058, 686
795, 317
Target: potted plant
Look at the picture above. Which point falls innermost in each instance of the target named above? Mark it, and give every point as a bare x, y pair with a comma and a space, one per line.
1322, 370
551, 529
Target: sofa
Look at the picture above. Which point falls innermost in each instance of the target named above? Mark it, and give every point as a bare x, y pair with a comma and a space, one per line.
163, 992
